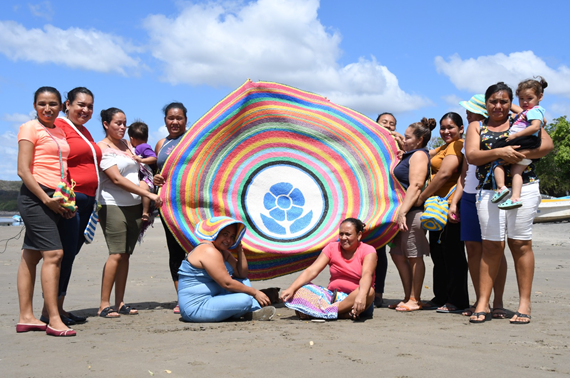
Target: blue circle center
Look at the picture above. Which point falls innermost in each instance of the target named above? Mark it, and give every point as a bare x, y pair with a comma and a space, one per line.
283, 202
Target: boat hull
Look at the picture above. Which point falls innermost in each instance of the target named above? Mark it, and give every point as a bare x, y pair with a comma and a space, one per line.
551, 210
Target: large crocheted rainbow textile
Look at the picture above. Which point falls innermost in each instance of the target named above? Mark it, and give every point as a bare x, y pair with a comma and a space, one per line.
291, 166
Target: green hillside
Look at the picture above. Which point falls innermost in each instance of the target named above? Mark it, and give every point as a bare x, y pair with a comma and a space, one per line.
8, 195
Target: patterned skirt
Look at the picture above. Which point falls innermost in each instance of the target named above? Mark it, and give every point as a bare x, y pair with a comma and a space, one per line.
315, 301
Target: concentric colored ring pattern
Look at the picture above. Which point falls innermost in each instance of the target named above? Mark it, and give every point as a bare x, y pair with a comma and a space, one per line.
291, 166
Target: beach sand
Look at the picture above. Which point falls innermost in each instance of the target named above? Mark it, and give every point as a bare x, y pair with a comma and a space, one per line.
392, 344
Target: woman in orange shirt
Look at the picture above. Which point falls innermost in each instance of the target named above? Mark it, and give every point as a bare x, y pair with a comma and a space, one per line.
42, 161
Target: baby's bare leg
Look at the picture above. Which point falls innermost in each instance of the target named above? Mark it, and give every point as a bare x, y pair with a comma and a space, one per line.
499, 173
145, 202
516, 173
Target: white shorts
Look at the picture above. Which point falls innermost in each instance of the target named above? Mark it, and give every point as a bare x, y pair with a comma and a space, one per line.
515, 224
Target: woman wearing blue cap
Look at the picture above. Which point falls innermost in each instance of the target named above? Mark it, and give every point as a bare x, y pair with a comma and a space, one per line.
213, 284
470, 228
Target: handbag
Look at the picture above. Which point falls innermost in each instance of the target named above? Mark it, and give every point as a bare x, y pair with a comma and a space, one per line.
89, 232
434, 217
64, 190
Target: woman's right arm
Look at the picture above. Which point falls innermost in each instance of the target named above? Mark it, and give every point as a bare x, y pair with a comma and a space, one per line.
25, 157
158, 179
307, 276
125, 184
213, 262
452, 213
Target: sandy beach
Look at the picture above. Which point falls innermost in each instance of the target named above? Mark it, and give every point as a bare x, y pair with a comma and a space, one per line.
157, 343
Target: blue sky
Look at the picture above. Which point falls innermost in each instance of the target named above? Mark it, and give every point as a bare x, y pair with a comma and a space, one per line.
413, 58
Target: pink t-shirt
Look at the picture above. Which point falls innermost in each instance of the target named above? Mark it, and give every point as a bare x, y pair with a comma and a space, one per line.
346, 274
45, 165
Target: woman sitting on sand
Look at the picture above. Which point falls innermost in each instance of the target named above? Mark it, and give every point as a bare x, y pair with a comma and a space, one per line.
213, 284
350, 293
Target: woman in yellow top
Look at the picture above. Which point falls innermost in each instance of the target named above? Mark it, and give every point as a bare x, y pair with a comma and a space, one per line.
446, 248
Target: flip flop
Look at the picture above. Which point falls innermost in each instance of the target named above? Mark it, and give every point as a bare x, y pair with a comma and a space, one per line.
127, 310
449, 309
107, 311
468, 311
429, 305
394, 306
519, 315
406, 308
76, 318
477, 315
499, 313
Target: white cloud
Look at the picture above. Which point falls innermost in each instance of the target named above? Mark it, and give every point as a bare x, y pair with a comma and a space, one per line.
18, 118
476, 75
453, 105
155, 136
221, 43
76, 48
42, 9
9, 144
452, 99
560, 109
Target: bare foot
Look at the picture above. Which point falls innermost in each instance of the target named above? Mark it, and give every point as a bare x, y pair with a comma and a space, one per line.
145, 217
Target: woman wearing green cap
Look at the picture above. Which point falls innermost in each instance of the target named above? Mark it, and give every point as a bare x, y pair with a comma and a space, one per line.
470, 228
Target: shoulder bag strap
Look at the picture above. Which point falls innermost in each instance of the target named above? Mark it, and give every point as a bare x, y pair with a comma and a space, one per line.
58, 150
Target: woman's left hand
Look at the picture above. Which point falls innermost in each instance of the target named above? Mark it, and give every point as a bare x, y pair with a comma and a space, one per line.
402, 226
453, 213
359, 305
262, 298
287, 294
157, 200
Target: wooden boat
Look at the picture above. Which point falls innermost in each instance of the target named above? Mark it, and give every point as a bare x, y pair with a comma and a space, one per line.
553, 209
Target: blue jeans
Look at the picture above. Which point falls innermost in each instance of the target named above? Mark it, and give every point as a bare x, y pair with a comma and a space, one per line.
72, 239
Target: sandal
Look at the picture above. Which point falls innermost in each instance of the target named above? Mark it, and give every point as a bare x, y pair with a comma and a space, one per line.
468, 311
520, 316
499, 313
128, 310
394, 306
107, 311
406, 308
500, 195
477, 315
429, 305
448, 308
509, 205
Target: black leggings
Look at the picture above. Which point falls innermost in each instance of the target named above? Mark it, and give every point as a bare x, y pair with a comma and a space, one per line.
177, 254
381, 269
449, 266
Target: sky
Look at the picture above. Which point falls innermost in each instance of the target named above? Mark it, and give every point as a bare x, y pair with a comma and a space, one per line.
412, 58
